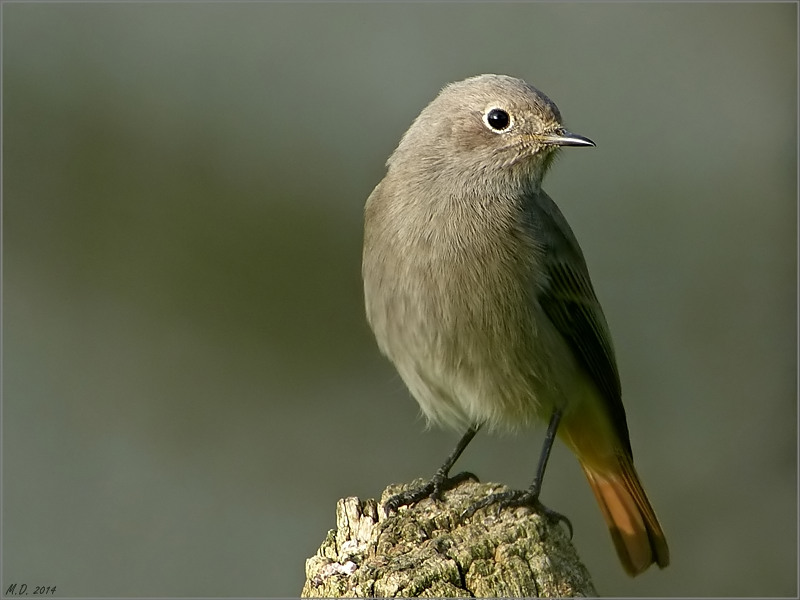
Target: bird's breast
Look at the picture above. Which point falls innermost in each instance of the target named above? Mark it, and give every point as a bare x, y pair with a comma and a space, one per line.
452, 302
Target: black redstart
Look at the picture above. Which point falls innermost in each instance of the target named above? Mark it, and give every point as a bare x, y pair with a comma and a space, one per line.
478, 292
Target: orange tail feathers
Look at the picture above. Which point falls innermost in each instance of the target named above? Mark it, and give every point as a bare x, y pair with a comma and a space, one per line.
631, 519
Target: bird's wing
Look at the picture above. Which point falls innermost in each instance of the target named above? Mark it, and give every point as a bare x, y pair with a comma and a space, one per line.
568, 298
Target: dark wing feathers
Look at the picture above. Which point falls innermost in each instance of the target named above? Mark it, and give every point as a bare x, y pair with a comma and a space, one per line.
570, 303
569, 300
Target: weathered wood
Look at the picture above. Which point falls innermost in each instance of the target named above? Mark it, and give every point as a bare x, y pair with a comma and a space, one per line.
425, 551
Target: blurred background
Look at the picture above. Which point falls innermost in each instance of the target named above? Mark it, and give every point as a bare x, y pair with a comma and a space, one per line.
189, 383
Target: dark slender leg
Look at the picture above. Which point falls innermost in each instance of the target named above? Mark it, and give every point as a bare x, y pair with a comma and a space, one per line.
529, 497
440, 481
549, 438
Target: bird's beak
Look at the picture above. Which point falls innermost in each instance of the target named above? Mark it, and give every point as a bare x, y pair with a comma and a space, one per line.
562, 137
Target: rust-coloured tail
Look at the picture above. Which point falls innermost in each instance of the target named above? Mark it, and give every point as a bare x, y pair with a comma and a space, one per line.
633, 524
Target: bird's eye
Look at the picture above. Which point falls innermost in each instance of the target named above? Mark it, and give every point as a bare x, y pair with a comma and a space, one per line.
497, 119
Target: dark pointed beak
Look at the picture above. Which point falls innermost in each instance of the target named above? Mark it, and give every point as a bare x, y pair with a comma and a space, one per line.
563, 137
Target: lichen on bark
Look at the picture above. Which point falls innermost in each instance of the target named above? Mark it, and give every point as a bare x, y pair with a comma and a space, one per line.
425, 550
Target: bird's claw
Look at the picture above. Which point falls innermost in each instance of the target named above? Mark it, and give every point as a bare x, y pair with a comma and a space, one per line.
516, 498
433, 489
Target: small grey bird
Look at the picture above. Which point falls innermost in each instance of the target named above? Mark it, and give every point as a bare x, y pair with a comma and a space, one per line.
478, 292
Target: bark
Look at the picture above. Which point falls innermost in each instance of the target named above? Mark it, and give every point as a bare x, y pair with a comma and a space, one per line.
426, 551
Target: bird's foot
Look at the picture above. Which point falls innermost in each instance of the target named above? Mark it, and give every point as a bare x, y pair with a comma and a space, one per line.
515, 498
434, 489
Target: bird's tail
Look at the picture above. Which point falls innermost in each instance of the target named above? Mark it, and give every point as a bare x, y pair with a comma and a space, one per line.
631, 519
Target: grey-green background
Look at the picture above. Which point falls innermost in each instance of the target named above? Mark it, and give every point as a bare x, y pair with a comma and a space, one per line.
189, 382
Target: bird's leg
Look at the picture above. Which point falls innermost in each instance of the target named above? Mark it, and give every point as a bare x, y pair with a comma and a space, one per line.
440, 481
529, 497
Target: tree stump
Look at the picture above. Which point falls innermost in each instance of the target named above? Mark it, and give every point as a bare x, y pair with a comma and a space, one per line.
426, 551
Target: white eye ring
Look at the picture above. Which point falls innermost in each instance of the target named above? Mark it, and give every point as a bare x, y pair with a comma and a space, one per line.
498, 120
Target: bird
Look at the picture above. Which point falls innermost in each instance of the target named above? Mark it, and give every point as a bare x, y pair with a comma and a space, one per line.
477, 290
